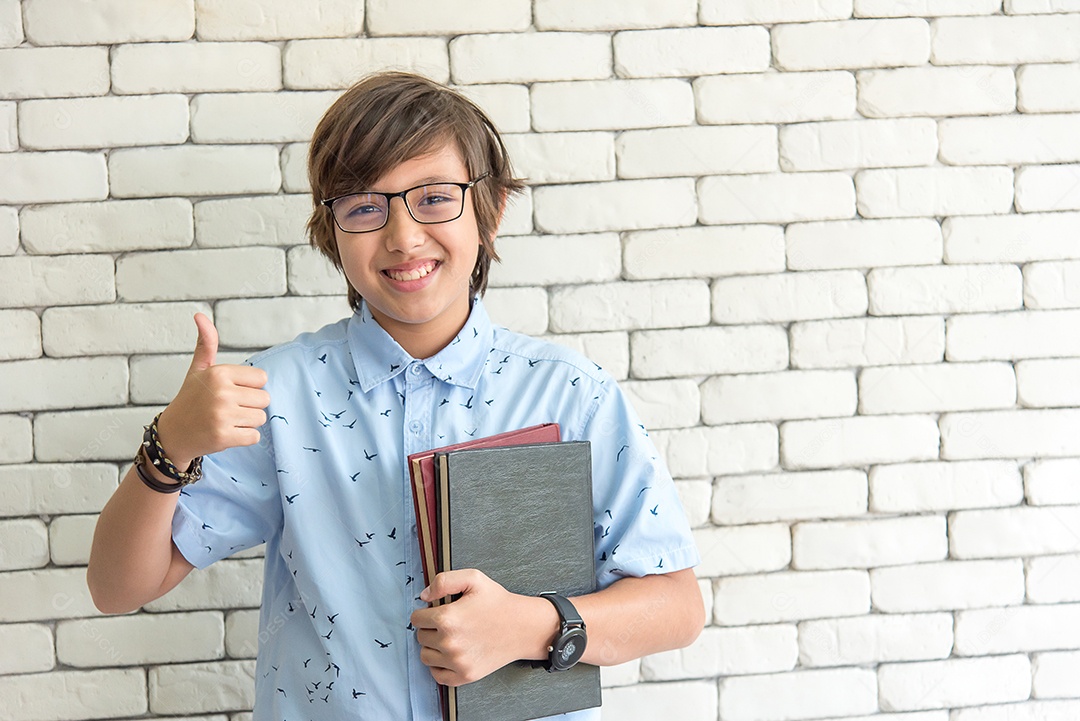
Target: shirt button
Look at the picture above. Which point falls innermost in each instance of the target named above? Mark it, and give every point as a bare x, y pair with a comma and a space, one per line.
416, 369
416, 426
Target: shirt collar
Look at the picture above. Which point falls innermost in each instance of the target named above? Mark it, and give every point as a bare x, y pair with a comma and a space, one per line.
377, 357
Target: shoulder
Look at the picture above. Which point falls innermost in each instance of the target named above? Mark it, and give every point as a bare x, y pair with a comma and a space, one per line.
331, 339
552, 361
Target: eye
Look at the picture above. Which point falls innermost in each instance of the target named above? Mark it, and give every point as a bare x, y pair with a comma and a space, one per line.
436, 198
355, 206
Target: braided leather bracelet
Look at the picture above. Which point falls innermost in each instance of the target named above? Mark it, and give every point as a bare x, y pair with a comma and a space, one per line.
152, 483
151, 446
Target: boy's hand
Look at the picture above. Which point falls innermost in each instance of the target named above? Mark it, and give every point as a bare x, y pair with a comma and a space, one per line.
483, 630
218, 406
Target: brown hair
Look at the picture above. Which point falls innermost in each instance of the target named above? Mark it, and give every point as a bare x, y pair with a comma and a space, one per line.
388, 118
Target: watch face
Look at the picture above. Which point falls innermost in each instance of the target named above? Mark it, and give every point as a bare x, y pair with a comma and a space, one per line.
568, 649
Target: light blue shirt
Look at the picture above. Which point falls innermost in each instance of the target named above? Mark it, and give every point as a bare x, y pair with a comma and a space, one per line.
327, 489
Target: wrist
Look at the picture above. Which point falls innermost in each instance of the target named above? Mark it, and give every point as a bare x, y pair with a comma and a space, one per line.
170, 442
540, 627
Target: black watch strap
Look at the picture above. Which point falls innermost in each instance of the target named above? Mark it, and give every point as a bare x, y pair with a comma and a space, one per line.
569, 645
568, 615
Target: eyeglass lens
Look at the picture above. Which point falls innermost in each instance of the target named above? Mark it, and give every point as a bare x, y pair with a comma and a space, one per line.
436, 203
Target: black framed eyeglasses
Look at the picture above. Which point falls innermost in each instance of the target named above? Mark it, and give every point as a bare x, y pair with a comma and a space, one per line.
427, 204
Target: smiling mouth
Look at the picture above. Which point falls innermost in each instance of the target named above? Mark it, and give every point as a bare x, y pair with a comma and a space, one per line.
414, 274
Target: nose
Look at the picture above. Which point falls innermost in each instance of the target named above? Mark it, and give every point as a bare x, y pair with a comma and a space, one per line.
401, 231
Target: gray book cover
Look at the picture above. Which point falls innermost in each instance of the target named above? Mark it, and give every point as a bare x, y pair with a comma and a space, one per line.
523, 516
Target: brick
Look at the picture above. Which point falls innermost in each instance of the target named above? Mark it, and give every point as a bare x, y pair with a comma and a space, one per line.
103, 122
311, 273
630, 306
1056, 674
775, 97
869, 543
788, 496
224, 20
70, 538
1053, 88
927, 487
52, 177
934, 191
743, 549
611, 104
610, 15
72, 22
775, 396
623, 674
757, 198
936, 91
506, 105
1048, 187
194, 170
1011, 238
696, 151
696, 700
875, 639
858, 441
1002, 40
339, 62
522, 310
562, 157
202, 687
1021, 531
1052, 482
44, 489
866, 342
9, 131
1016, 629
798, 695
1032, 711
22, 335
257, 117
695, 494
850, 144
211, 274
518, 218
141, 639
63, 280
35, 644
742, 349
1031, 334
120, 329
925, 8
195, 67
742, 448
432, 17
610, 350
263, 322
617, 205
24, 543
267, 220
791, 596
1009, 434
157, 378
851, 44
53, 72
529, 57
223, 585
294, 159
241, 634
44, 594
71, 695
936, 388
1050, 284
11, 23
727, 652
767, 12
9, 230
50, 383
789, 296
1011, 140
955, 682
108, 226
666, 404
1040, 6
703, 251
833, 245
947, 585
93, 435
16, 443
689, 52
541, 260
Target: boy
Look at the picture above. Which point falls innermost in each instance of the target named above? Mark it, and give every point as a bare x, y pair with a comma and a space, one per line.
305, 447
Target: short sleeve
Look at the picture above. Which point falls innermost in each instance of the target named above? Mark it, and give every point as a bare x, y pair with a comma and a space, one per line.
639, 521
235, 506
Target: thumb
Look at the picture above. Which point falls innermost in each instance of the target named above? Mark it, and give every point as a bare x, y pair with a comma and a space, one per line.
207, 344
447, 583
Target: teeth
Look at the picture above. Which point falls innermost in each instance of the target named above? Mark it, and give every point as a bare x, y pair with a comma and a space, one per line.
414, 274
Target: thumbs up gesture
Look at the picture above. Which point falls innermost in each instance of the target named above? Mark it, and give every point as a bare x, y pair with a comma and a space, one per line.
217, 407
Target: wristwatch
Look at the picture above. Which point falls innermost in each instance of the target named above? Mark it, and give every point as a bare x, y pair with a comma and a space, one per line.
569, 645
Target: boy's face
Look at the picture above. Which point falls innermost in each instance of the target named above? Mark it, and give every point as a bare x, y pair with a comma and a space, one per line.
415, 277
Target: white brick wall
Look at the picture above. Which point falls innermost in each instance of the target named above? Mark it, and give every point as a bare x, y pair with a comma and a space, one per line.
829, 248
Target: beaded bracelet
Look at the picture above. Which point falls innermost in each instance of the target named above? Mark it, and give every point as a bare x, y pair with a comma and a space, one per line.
151, 444
151, 482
